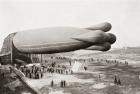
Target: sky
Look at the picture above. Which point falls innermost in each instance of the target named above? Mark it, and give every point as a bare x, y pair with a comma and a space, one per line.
124, 15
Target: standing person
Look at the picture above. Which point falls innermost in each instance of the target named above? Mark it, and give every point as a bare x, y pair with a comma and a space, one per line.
70, 63
61, 83
52, 83
25, 70
85, 68
64, 82
28, 72
30, 75
61, 71
11, 69
115, 80
41, 71
99, 77
67, 72
119, 81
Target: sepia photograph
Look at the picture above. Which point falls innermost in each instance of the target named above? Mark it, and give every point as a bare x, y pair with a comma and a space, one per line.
69, 47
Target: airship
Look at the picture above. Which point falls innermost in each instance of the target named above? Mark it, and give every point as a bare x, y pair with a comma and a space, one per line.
64, 39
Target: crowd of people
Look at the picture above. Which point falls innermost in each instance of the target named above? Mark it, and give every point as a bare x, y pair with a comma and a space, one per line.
32, 71
107, 61
112, 62
59, 69
54, 67
37, 72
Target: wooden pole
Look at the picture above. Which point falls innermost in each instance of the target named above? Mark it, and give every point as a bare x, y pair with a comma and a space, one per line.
41, 57
11, 52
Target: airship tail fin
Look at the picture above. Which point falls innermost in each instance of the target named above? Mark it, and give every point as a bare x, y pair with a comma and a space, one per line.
102, 26
97, 36
100, 47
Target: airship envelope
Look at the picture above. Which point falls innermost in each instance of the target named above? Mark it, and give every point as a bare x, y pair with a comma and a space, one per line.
64, 39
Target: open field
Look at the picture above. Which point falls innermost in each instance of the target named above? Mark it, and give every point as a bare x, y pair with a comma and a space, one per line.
88, 82
97, 79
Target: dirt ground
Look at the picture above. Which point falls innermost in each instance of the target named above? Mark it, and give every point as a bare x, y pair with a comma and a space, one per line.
98, 79
10, 84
